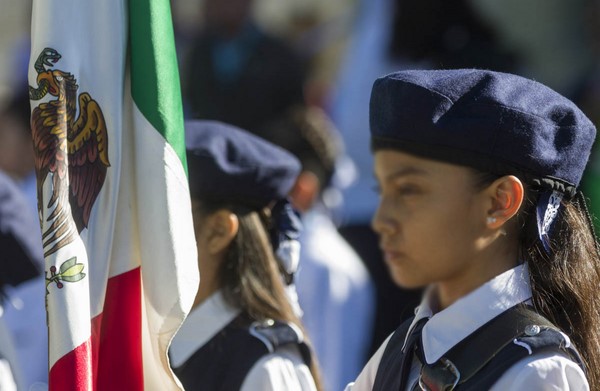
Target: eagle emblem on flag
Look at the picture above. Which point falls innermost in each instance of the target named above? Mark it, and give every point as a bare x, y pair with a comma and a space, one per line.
70, 142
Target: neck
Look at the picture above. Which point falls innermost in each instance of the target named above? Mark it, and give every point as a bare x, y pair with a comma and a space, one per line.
488, 265
204, 293
209, 284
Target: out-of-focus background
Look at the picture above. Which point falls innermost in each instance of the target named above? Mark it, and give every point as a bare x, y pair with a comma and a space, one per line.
252, 63
553, 41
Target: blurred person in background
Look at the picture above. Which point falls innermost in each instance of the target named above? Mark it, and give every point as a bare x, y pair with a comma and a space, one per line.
24, 307
24, 312
334, 287
235, 72
589, 101
21, 260
16, 148
243, 332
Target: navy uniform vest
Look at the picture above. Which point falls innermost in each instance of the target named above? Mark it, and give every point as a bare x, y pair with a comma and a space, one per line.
479, 360
224, 361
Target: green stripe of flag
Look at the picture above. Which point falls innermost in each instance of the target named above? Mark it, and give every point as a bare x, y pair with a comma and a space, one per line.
154, 75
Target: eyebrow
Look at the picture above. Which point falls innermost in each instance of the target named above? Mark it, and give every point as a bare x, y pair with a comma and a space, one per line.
405, 171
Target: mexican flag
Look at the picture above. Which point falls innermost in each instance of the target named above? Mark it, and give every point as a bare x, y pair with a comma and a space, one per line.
107, 127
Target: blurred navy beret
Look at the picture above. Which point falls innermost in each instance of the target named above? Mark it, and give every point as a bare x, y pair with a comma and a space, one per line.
21, 254
228, 164
491, 121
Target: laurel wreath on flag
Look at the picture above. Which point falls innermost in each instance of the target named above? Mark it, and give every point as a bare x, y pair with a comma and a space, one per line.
69, 271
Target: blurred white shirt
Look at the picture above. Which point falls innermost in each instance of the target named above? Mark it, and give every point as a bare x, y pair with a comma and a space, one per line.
337, 296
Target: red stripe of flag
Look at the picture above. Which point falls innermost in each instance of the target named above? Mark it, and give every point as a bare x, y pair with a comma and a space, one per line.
116, 343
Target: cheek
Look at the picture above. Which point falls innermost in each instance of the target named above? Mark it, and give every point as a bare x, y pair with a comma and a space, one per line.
455, 237
441, 235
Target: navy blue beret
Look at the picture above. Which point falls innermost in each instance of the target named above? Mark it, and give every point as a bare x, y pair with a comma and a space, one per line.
491, 121
21, 254
228, 164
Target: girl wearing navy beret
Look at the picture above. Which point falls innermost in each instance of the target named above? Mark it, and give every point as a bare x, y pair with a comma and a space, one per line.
478, 176
243, 332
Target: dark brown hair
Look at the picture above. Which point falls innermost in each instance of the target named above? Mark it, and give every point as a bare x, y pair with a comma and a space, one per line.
250, 275
565, 282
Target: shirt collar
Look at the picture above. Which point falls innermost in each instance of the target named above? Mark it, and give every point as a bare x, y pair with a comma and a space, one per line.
448, 327
202, 323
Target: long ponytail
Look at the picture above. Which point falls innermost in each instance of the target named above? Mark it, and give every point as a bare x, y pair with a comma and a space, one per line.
565, 283
250, 275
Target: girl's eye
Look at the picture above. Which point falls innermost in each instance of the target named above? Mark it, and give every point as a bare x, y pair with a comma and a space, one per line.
407, 190
403, 190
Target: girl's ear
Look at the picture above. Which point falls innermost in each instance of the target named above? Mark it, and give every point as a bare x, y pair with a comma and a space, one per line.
223, 226
506, 194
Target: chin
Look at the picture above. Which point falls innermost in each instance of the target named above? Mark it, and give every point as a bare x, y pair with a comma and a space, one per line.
405, 280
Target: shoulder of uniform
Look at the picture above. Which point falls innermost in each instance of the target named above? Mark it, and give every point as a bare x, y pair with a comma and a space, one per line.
542, 338
274, 333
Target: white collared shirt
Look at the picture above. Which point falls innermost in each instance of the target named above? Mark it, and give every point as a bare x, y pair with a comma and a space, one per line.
283, 369
544, 371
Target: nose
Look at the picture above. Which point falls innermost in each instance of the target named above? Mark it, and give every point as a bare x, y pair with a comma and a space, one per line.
381, 223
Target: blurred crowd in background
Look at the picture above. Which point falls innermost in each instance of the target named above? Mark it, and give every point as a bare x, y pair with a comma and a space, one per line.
280, 68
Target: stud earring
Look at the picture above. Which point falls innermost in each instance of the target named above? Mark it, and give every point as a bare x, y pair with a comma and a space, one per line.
491, 220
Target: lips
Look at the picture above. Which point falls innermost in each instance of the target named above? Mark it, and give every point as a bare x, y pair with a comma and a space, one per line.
390, 255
